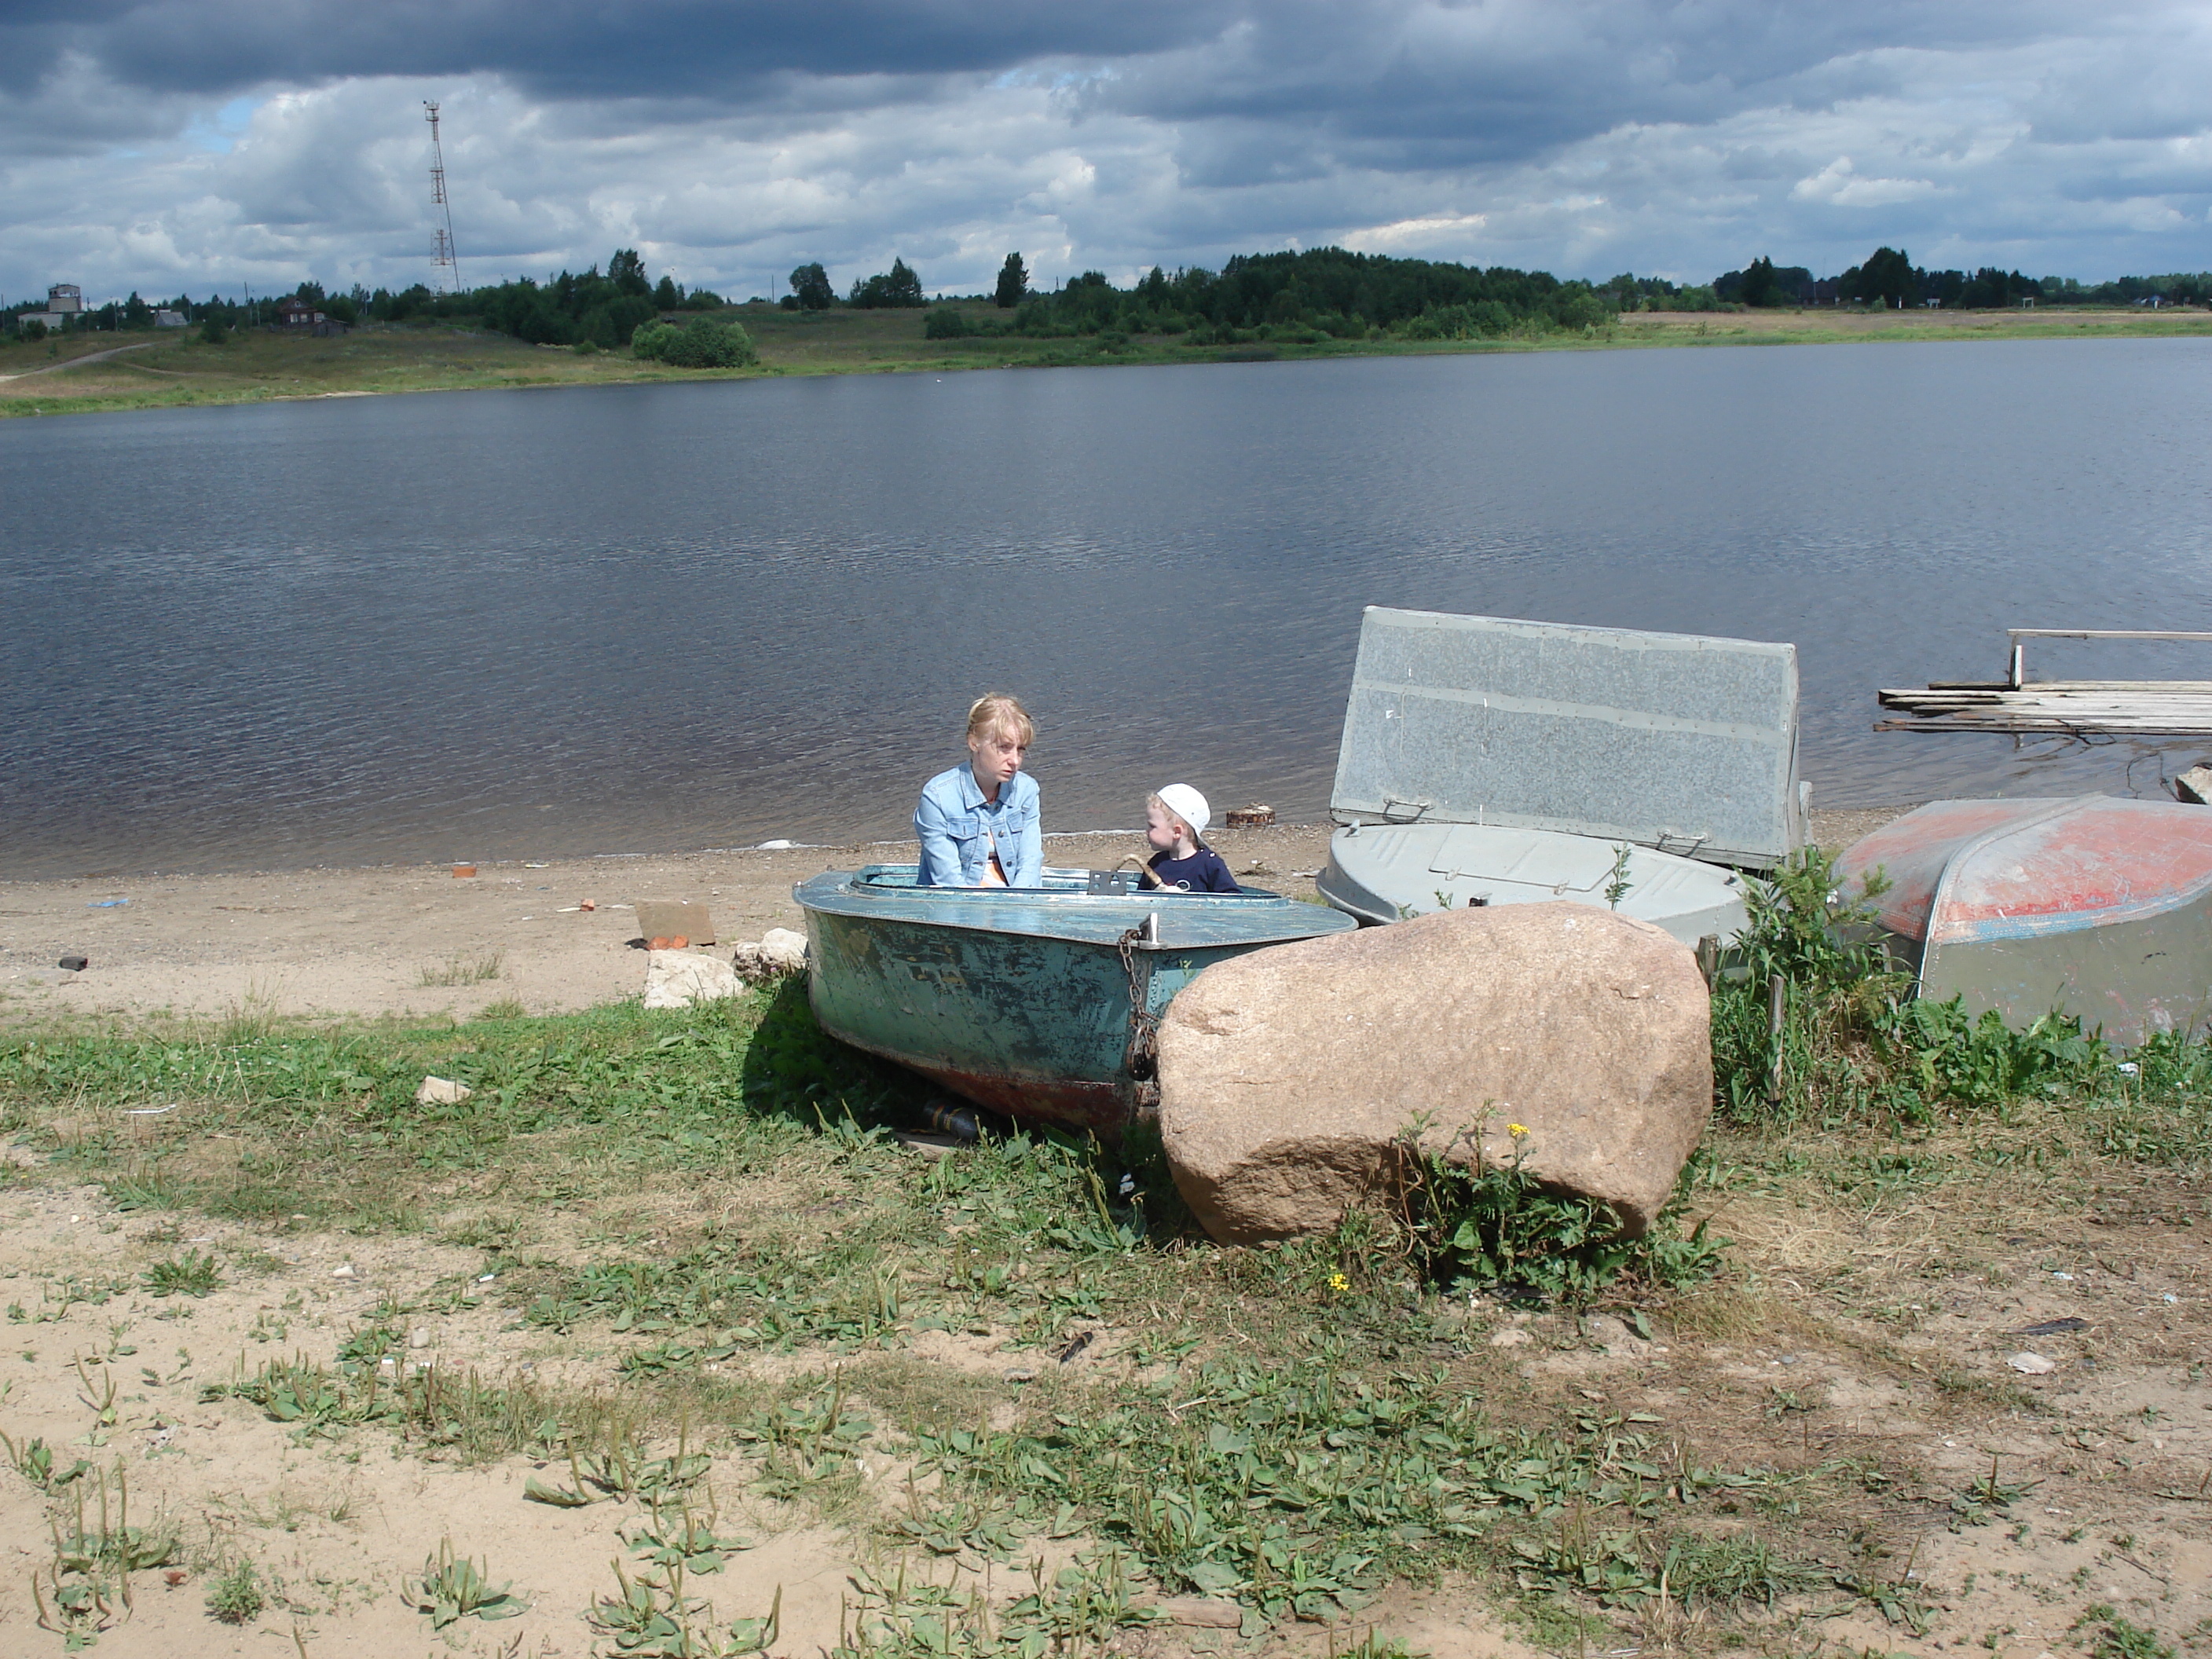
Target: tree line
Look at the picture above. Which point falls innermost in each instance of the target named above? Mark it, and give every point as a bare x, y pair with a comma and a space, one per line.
1300, 296
1305, 295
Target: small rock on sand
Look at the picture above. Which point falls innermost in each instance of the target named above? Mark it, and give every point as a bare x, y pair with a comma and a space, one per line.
1289, 1077
779, 951
678, 979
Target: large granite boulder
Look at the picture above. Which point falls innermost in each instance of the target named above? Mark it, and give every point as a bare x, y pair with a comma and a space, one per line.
1289, 1077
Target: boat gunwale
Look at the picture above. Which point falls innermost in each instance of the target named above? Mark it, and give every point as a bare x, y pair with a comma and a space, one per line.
857, 906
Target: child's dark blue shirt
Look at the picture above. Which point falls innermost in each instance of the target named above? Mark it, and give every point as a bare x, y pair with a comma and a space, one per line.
1203, 872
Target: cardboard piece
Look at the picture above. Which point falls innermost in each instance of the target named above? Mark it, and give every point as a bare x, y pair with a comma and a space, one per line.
670, 919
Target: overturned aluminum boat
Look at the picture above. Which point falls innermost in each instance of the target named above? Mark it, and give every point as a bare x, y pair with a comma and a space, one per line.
1035, 1002
2093, 906
1487, 761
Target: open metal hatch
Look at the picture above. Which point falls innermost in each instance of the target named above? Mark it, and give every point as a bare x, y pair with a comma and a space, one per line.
1672, 741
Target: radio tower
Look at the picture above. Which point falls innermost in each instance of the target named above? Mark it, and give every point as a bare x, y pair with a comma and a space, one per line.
447, 258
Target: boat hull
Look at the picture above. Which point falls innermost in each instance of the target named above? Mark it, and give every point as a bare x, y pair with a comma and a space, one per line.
1021, 1001
1380, 873
2093, 907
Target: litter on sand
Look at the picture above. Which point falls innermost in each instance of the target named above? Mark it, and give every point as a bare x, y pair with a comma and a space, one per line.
661, 919
105, 904
2031, 1365
2052, 1327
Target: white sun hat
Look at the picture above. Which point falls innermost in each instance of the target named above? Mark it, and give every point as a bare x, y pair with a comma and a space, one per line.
1186, 804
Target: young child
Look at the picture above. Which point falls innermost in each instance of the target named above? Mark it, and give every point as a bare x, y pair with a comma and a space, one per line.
1174, 820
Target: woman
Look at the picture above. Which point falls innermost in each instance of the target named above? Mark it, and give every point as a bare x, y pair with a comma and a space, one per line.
978, 824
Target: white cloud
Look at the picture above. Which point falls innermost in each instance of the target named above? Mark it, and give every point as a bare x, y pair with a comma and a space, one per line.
1579, 136
1839, 184
1442, 235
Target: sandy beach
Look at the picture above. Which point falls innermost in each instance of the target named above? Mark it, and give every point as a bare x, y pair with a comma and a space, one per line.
417, 940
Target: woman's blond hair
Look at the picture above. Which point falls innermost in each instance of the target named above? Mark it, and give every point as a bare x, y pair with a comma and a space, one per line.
994, 711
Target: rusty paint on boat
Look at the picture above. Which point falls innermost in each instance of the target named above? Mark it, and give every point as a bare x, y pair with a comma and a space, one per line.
2093, 906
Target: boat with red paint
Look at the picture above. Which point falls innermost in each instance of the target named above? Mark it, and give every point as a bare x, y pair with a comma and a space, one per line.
2095, 906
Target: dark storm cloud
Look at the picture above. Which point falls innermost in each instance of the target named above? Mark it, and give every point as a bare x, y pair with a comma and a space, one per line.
1411, 84
572, 48
1414, 85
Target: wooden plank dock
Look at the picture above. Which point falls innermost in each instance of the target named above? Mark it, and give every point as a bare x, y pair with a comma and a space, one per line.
2179, 708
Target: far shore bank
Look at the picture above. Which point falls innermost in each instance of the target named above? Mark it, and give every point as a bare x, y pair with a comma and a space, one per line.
416, 940
88, 373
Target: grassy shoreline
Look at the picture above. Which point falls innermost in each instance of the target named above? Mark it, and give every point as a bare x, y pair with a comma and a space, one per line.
665, 1270
181, 370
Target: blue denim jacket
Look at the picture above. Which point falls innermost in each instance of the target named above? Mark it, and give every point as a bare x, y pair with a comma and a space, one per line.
957, 828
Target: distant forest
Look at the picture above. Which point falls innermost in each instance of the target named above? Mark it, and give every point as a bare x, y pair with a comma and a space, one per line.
1889, 278
1304, 296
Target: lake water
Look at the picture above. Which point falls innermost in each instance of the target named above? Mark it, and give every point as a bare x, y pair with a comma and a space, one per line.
531, 623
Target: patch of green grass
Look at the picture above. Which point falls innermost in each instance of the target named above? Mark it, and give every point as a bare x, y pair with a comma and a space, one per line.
1623, 1565
1300, 1485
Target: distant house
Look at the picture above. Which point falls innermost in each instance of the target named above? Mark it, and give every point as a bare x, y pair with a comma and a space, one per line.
296, 316
165, 318
64, 306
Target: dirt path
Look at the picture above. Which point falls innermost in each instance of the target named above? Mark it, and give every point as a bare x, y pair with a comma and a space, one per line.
89, 357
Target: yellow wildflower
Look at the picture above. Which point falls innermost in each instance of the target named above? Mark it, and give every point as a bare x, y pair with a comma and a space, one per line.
1339, 1282
1516, 1130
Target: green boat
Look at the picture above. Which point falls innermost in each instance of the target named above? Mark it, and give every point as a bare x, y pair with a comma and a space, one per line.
1040, 1002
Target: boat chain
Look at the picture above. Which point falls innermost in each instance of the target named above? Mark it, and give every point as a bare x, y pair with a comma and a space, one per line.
1140, 1060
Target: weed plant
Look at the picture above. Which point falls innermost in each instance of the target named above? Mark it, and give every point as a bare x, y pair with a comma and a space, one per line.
84, 1587
1493, 1224
190, 1274
452, 1588
2117, 1637
1855, 1049
459, 969
236, 1598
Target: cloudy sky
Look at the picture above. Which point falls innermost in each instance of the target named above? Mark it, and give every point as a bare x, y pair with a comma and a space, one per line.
174, 145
